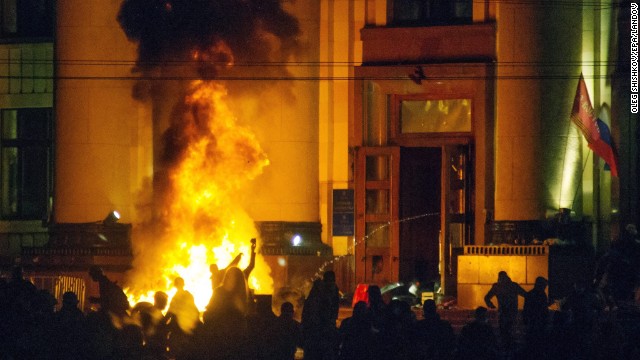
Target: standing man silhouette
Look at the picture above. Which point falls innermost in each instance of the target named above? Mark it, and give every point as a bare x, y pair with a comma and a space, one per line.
507, 292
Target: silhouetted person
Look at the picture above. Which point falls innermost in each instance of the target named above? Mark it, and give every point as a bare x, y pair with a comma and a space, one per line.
16, 323
183, 307
477, 339
582, 304
112, 299
560, 339
575, 324
399, 338
154, 325
217, 275
224, 334
535, 314
183, 318
21, 292
7, 316
160, 300
435, 334
232, 294
157, 341
37, 344
263, 329
332, 294
507, 292
252, 260
318, 323
356, 335
377, 307
289, 333
69, 329
129, 343
20, 295
104, 337
618, 270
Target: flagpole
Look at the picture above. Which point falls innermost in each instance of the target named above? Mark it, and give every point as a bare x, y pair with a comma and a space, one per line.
564, 159
584, 166
566, 144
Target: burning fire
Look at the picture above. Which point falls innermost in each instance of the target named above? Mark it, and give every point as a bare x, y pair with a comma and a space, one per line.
202, 220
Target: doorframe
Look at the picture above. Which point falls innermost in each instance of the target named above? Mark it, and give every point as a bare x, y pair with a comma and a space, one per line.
374, 89
363, 253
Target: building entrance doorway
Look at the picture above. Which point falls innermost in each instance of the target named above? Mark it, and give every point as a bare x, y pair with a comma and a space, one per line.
412, 213
415, 171
420, 214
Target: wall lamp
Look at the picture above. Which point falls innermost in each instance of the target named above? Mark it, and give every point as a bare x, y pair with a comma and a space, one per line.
111, 218
296, 240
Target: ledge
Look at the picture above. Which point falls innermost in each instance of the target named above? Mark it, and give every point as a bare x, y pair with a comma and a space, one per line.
432, 43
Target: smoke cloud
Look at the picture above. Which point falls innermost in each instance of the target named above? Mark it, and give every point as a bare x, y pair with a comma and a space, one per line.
209, 34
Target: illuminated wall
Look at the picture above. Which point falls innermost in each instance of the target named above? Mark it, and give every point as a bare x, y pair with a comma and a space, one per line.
108, 142
538, 152
600, 189
287, 129
103, 144
340, 47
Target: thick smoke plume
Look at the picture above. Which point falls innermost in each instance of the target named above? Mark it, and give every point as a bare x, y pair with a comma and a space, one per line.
210, 34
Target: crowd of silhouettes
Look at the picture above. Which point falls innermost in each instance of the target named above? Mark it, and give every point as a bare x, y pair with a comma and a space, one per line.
239, 325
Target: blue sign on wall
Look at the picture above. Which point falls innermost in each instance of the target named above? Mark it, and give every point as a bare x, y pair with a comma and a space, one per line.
343, 208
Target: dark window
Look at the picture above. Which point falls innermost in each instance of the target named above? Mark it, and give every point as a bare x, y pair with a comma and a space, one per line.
431, 12
27, 18
26, 163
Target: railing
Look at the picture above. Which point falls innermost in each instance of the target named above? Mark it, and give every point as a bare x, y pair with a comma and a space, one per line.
296, 250
58, 285
60, 251
70, 283
91, 239
525, 250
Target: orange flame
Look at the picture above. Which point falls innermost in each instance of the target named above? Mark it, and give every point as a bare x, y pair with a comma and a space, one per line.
204, 222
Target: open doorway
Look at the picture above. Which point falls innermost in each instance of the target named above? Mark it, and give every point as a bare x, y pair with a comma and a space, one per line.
419, 213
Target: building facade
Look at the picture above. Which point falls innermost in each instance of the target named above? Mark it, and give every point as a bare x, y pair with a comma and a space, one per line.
449, 120
27, 120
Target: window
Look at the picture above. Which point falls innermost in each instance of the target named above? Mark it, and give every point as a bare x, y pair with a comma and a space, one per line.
435, 116
431, 12
26, 18
25, 153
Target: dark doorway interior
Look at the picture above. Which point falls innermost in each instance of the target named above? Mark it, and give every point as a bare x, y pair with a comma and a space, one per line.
420, 195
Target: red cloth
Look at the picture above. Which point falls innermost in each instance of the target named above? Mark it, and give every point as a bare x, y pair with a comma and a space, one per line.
361, 294
585, 119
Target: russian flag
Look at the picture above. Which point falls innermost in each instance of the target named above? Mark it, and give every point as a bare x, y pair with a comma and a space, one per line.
605, 148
